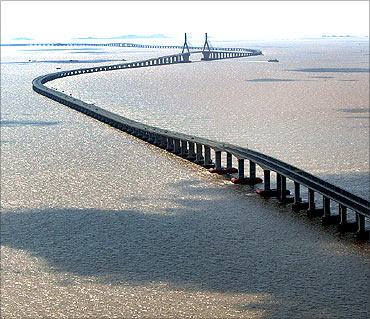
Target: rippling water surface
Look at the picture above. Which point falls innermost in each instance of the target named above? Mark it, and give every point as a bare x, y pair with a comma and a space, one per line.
96, 223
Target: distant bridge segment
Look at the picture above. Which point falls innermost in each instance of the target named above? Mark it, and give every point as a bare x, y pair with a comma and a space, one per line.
198, 150
135, 45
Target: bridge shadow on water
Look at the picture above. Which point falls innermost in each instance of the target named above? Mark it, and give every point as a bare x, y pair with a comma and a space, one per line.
200, 244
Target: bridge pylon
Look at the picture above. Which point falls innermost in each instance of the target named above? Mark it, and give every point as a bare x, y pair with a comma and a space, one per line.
185, 46
205, 52
206, 44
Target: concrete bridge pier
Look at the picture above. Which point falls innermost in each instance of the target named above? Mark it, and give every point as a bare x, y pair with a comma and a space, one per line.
240, 169
252, 170
206, 55
185, 57
218, 160
199, 159
327, 218
184, 149
362, 233
151, 138
191, 152
312, 210
207, 157
157, 140
278, 184
281, 189
252, 179
222, 170
145, 136
229, 161
137, 133
163, 143
267, 191
170, 146
344, 225
129, 130
176, 147
298, 203
266, 176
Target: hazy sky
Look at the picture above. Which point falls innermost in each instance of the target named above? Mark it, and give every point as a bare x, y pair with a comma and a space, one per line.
223, 20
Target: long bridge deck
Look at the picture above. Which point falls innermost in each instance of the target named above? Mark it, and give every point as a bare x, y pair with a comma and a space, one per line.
134, 45
198, 149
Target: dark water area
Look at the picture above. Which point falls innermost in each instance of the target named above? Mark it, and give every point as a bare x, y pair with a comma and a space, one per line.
333, 70
27, 123
128, 247
354, 110
272, 80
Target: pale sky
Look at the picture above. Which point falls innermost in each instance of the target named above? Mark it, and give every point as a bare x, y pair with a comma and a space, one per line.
59, 21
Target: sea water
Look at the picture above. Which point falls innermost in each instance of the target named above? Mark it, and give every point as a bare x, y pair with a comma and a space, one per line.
96, 223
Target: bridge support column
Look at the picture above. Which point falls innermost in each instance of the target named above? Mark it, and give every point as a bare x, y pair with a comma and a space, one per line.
344, 225
151, 138
169, 147
297, 193
218, 159
343, 214
163, 142
191, 154
129, 130
252, 170
267, 191
186, 57
298, 204
327, 218
138, 133
229, 161
199, 159
157, 140
278, 183
311, 200
252, 179
145, 136
362, 233
282, 188
207, 157
266, 176
184, 148
222, 170
176, 148
312, 210
206, 55
241, 168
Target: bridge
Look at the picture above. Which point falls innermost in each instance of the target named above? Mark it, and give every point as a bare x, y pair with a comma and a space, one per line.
220, 52
198, 149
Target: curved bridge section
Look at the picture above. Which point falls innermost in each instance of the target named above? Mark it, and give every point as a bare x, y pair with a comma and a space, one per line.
198, 150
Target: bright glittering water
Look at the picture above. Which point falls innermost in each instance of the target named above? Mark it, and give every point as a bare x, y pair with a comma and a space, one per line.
96, 223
